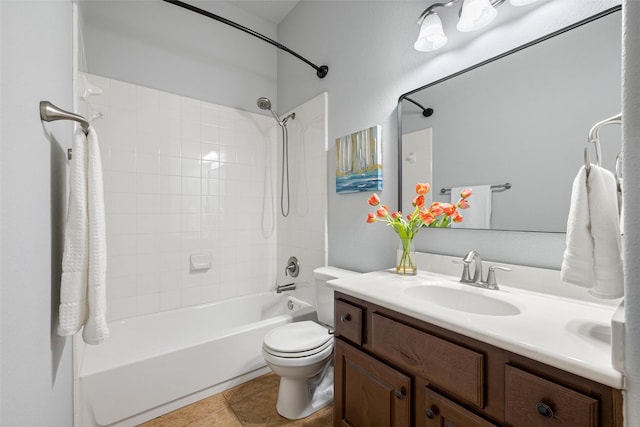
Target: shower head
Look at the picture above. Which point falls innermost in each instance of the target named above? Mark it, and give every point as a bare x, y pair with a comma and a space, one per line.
264, 103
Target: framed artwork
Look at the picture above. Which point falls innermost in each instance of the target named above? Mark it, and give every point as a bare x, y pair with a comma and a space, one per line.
359, 161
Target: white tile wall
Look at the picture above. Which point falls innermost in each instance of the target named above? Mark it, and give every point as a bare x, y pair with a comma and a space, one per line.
183, 176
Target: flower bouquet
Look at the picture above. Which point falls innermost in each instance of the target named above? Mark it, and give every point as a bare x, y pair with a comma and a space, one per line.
437, 215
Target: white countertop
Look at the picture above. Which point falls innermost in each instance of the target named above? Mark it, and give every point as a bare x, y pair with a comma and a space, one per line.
569, 334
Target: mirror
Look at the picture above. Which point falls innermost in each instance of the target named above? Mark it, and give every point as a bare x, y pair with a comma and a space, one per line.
521, 118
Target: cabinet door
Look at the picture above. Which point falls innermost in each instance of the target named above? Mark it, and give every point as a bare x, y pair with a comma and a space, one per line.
438, 411
368, 393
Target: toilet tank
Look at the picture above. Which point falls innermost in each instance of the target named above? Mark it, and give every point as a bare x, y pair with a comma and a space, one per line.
324, 294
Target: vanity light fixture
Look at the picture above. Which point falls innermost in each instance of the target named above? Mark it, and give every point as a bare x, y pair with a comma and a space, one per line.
474, 15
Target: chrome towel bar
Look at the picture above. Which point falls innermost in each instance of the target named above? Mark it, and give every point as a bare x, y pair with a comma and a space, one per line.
497, 187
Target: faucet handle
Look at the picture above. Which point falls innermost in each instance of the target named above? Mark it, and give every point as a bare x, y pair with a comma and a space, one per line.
466, 276
293, 267
491, 276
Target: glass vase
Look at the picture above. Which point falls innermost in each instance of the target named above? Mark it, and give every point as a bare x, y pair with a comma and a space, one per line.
406, 264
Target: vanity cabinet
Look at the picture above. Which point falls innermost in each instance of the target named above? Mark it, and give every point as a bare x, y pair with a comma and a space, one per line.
372, 393
395, 370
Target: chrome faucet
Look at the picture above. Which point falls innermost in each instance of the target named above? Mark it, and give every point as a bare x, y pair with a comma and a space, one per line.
476, 280
472, 256
491, 282
287, 287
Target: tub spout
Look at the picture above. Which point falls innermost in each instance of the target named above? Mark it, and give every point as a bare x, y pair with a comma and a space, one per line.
287, 287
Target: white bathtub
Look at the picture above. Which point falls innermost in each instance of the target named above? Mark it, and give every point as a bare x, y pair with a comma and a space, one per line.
154, 364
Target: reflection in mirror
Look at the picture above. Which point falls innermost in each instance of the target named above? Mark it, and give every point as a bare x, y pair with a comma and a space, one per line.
522, 118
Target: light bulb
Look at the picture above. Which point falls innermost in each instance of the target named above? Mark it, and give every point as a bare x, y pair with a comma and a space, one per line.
431, 35
476, 14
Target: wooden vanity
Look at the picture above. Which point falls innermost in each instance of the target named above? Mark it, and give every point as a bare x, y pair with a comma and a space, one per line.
394, 370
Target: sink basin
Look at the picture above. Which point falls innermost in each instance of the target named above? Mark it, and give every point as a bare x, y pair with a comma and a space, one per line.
591, 330
462, 300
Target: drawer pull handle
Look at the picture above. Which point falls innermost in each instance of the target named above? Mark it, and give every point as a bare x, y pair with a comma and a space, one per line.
544, 410
400, 393
345, 318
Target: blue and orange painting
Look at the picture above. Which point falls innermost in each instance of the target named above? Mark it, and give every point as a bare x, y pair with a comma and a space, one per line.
359, 161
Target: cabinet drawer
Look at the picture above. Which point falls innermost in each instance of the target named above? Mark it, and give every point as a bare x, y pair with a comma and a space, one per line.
348, 321
531, 401
439, 411
447, 366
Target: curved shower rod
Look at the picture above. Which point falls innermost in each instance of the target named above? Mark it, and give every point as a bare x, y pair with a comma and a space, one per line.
321, 71
426, 111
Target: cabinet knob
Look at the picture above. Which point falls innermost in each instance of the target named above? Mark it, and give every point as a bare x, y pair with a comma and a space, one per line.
544, 410
345, 317
400, 393
431, 412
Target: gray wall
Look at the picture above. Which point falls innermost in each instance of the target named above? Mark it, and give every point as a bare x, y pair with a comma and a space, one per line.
369, 49
165, 47
36, 382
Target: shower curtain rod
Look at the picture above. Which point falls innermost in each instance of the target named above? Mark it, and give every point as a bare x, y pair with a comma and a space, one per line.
426, 111
321, 71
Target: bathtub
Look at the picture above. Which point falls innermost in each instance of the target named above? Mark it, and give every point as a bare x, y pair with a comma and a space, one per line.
157, 363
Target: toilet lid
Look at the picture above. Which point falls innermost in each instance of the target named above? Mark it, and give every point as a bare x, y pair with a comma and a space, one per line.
296, 337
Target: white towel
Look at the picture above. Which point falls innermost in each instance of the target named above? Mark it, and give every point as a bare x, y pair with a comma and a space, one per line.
478, 215
84, 263
593, 257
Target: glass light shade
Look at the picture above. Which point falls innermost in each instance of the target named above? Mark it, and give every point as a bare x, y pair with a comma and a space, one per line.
431, 35
521, 2
476, 14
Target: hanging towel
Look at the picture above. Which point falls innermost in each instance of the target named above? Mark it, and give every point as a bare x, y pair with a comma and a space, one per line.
593, 257
84, 263
478, 215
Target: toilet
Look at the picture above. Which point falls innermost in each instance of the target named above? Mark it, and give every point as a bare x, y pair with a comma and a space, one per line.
300, 353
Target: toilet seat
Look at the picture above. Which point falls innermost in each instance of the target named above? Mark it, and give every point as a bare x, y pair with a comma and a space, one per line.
298, 339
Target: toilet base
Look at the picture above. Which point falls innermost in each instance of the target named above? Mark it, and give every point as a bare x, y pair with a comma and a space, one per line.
295, 401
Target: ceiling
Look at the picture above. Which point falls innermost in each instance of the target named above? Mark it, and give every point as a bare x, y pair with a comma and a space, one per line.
271, 10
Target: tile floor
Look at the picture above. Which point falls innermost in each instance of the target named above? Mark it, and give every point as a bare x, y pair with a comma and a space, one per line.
252, 404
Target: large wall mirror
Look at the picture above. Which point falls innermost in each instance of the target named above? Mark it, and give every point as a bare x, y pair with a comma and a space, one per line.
521, 118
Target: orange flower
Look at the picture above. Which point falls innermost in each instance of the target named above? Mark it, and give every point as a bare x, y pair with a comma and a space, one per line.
437, 215
436, 209
463, 203
448, 209
422, 188
426, 216
374, 200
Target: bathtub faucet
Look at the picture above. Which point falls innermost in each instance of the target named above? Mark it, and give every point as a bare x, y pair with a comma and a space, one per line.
287, 287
